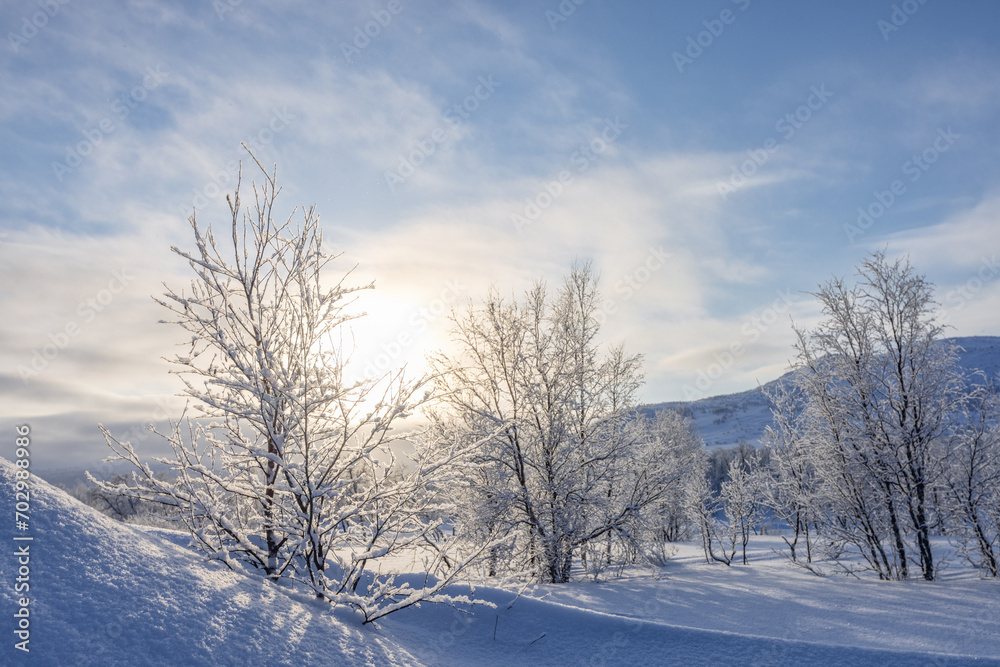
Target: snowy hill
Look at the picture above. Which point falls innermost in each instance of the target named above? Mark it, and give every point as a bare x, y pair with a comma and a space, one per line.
103, 593
980, 353
723, 421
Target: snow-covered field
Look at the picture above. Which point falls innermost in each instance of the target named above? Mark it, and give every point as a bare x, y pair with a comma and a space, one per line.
104, 593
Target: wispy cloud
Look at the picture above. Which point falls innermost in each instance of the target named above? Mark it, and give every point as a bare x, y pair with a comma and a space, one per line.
685, 270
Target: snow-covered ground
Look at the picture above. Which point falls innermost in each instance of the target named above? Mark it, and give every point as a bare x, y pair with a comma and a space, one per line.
766, 613
104, 593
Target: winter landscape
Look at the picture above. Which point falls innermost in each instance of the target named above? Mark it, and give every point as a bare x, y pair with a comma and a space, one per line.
469, 332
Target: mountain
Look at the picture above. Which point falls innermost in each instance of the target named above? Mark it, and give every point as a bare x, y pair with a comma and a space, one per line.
724, 421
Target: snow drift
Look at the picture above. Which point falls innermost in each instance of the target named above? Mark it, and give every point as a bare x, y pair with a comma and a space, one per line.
104, 593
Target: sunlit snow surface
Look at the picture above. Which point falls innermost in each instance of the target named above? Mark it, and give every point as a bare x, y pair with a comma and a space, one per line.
107, 594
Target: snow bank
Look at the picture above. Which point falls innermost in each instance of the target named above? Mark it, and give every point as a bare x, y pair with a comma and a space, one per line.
786, 615
574, 631
103, 593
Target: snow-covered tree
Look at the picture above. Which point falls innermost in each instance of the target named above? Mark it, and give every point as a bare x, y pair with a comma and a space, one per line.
704, 507
559, 474
741, 500
879, 385
671, 453
291, 466
971, 481
792, 490
726, 519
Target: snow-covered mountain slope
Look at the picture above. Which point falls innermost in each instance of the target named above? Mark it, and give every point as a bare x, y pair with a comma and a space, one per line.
103, 593
980, 353
724, 421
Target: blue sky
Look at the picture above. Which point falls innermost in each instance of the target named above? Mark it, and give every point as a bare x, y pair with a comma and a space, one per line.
710, 158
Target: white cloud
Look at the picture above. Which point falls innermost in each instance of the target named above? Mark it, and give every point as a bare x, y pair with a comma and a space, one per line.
446, 234
958, 243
